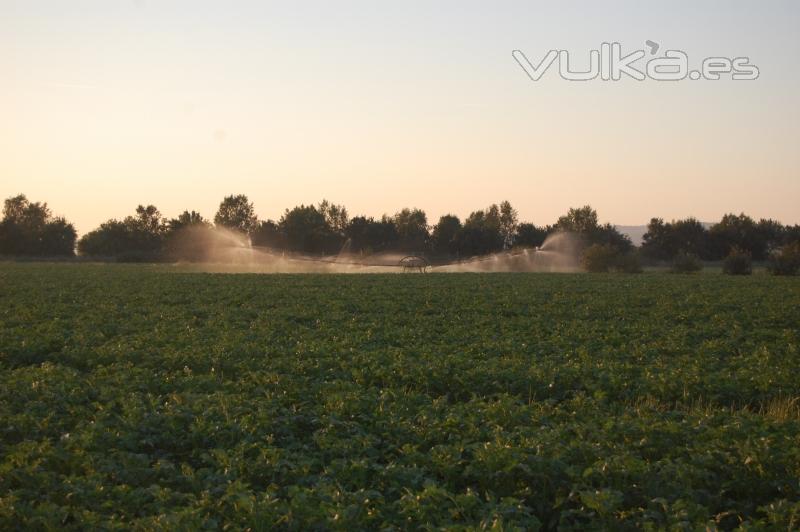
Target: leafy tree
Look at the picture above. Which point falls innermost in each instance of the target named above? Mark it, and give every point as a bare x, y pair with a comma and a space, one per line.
508, 224
108, 240
412, 229
791, 234
136, 238
148, 221
188, 237
771, 234
608, 234
20, 211
58, 238
30, 229
737, 231
268, 234
691, 236
583, 221
663, 241
368, 235
481, 233
335, 216
237, 213
188, 219
445, 234
306, 229
656, 242
528, 235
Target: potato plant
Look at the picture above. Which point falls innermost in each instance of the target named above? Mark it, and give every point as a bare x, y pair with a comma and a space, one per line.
147, 397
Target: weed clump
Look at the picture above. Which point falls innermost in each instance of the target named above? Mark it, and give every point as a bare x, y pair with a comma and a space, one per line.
738, 262
785, 261
686, 263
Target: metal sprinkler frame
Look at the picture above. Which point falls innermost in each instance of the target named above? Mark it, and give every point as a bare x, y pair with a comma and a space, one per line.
411, 263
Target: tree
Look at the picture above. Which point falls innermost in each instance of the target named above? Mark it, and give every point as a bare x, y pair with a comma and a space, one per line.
444, 235
136, 238
528, 235
791, 234
482, 233
584, 222
20, 211
508, 224
236, 213
368, 235
737, 231
30, 229
771, 235
187, 219
268, 234
335, 216
663, 241
148, 220
307, 230
22, 226
58, 238
656, 242
608, 234
188, 237
412, 229
690, 236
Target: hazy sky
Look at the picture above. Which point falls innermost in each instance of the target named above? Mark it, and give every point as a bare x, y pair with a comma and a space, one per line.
107, 104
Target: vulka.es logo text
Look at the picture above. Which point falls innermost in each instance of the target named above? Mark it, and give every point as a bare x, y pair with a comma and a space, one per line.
609, 64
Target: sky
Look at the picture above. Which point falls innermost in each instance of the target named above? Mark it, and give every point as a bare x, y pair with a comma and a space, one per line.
108, 104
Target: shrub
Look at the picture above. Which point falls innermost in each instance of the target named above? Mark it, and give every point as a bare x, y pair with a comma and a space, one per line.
599, 258
629, 263
686, 263
738, 262
785, 261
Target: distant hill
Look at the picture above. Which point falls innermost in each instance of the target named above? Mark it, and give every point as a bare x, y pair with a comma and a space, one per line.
636, 232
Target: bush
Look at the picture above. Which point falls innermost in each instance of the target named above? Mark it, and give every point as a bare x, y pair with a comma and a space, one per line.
785, 261
629, 263
599, 258
738, 262
686, 263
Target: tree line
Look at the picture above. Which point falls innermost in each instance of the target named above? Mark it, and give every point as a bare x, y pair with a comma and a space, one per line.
30, 229
665, 240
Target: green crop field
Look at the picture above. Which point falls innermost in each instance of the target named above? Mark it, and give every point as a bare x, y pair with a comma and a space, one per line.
140, 396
